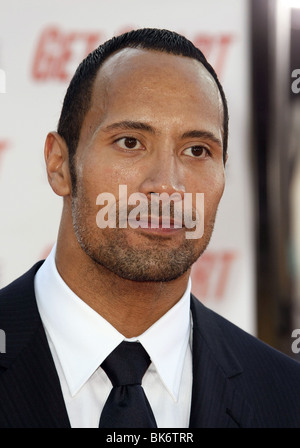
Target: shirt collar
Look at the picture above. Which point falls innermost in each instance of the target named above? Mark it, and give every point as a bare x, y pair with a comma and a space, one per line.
82, 338
166, 342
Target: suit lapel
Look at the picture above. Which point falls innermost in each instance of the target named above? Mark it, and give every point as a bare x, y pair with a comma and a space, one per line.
215, 401
30, 391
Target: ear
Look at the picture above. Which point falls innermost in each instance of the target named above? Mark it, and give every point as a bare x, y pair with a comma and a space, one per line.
57, 164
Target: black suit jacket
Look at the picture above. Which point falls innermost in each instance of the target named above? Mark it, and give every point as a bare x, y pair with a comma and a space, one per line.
238, 381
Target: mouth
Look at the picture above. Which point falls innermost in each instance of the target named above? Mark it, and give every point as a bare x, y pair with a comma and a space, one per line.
157, 224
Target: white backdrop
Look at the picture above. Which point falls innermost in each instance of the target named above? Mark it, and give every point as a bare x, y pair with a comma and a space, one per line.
41, 44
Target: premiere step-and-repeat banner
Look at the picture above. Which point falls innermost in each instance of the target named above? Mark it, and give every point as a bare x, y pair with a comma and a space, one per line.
41, 44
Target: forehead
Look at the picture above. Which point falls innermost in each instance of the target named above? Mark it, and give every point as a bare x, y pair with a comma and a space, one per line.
153, 83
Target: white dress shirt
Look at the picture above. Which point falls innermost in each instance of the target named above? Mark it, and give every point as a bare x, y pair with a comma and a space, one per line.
80, 339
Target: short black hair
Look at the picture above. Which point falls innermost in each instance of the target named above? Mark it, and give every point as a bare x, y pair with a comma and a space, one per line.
78, 97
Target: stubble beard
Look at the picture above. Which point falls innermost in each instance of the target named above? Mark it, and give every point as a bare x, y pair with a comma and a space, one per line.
110, 248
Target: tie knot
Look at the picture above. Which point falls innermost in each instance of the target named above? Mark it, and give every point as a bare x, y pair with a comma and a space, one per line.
127, 364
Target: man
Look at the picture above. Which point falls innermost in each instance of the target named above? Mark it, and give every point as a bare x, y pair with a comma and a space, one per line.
146, 111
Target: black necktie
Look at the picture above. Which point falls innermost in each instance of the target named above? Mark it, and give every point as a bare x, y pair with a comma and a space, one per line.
127, 405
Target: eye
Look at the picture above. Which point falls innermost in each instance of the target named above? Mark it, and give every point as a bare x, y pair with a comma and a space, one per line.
129, 143
197, 151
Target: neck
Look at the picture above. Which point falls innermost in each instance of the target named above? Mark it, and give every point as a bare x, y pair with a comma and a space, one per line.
130, 306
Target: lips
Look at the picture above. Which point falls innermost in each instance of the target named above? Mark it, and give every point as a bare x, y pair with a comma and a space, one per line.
156, 222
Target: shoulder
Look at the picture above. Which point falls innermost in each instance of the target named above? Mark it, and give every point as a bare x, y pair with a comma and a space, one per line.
19, 316
18, 291
17, 285
268, 379
246, 347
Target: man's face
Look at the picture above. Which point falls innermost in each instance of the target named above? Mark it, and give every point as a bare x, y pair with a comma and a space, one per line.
155, 125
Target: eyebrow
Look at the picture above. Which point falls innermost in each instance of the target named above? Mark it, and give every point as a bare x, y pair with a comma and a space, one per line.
138, 125
127, 125
203, 134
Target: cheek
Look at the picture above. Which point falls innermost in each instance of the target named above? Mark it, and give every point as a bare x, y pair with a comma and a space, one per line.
213, 197
218, 186
99, 176
213, 187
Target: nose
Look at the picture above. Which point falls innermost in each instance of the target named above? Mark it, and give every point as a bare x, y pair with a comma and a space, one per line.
163, 175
